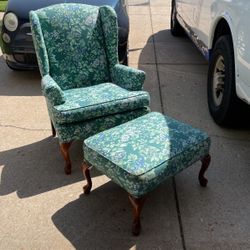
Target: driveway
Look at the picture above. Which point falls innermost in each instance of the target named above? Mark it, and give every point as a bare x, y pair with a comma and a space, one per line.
41, 208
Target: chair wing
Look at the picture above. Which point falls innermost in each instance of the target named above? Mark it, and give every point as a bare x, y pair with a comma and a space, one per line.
72, 46
40, 47
110, 31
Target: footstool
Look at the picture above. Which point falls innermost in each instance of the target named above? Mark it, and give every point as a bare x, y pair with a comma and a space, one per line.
140, 154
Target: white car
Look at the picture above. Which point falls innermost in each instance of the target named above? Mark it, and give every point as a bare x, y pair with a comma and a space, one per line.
221, 30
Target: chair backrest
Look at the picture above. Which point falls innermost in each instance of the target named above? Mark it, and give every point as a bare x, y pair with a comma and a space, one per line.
76, 44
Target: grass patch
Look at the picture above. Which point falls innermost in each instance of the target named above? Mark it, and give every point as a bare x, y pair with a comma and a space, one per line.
3, 5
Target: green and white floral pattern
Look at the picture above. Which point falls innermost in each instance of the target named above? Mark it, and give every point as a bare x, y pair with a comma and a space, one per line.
76, 47
110, 32
140, 154
74, 43
82, 130
99, 100
52, 91
122, 73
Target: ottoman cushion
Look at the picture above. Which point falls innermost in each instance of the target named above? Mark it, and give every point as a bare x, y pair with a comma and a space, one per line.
140, 154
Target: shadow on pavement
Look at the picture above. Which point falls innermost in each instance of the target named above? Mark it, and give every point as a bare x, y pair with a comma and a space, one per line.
165, 35
90, 221
181, 82
103, 219
18, 83
37, 168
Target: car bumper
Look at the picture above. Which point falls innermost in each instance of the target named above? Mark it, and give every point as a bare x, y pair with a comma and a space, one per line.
26, 59
21, 60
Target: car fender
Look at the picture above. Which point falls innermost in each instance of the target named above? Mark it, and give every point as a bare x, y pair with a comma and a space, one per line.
227, 17
215, 20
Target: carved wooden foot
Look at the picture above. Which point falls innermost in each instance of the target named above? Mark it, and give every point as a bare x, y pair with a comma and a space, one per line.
205, 163
65, 152
137, 204
53, 129
86, 172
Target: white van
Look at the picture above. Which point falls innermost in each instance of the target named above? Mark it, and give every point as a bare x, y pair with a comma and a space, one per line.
221, 30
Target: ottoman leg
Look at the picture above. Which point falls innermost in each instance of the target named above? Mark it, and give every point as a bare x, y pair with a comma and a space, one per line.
205, 163
137, 204
65, 152
86, 172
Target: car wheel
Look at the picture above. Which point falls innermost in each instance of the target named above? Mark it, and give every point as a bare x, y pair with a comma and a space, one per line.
224, 105
125, 60
175, 27
123, 54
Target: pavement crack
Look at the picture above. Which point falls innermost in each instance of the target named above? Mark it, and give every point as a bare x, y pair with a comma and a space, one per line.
179, 214
179, 64
156, 61
157, 64
22, 128
135, 49
170, 64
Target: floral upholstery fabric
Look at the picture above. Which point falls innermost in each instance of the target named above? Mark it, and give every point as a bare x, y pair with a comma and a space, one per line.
52, 91
85, 129
110, 33
142, 153
99, 100
77, 52
39, 44
74, 44
121, 73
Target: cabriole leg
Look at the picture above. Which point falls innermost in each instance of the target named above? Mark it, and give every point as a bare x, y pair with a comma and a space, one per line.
137, 204
65, 152
205, 163
86, 173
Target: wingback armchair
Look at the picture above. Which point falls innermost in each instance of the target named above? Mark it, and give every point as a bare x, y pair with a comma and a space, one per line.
86, 89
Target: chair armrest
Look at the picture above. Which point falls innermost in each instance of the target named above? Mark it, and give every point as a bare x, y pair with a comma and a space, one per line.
52, 91
128, 78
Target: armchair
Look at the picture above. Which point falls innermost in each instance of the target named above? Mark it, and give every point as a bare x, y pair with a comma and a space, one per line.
85, 88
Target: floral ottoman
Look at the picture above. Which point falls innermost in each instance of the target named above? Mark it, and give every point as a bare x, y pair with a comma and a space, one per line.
140, 154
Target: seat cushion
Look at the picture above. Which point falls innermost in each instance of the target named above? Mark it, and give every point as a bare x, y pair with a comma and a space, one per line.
140, 154
96, 101
82, 130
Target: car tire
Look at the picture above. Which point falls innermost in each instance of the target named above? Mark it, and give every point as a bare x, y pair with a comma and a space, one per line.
224, 105
13, 67
175, 27
125, 60
123, 54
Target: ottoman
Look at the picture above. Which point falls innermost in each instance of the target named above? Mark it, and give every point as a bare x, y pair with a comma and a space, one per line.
142, 153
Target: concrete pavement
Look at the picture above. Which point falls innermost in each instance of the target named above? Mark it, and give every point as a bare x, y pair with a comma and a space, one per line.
41, 208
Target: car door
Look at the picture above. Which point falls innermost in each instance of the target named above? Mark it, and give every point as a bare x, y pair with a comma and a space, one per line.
184, 10
201, 21
243, 49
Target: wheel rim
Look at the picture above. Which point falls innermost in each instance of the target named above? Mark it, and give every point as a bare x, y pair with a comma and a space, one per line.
219, 81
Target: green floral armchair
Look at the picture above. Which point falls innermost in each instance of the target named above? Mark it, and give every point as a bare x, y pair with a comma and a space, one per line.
86, 89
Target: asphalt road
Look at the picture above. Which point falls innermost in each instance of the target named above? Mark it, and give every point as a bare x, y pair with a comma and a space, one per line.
41, 208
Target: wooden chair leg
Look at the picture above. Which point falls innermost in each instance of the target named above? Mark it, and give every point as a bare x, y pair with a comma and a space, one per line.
205, 163
65, 152
137, 204
53, 129
86, 173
